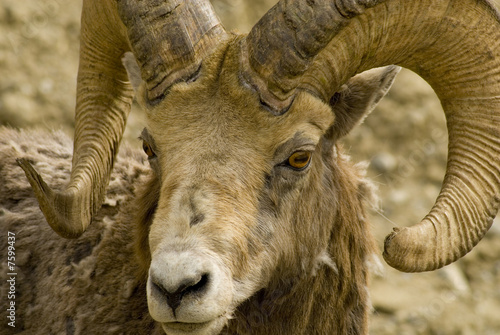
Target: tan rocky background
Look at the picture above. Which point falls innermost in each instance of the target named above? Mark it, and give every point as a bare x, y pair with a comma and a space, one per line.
404, 141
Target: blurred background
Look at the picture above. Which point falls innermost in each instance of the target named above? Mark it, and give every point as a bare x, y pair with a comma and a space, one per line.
404, 143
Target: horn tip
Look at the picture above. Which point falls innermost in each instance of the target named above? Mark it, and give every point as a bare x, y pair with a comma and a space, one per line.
402, 252
47, 201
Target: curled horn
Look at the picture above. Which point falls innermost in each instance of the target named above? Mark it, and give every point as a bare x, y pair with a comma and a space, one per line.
454, 45
169, 49
169, 39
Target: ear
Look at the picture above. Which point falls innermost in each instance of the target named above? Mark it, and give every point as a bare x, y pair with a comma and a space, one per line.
133, 70
358, 97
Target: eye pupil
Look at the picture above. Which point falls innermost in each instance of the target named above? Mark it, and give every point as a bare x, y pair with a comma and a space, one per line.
300, 159
147, 149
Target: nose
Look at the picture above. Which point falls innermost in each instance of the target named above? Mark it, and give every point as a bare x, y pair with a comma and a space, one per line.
187, 286
176, 277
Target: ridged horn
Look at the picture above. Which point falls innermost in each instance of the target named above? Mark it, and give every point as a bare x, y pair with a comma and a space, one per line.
454, 45
169, 39
177, 33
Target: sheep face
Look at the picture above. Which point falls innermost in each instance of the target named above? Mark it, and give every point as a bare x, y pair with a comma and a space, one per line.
245, 197
234, 179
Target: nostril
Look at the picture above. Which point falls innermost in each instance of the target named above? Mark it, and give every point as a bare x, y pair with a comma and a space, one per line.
158, 287
187, 286
200, 285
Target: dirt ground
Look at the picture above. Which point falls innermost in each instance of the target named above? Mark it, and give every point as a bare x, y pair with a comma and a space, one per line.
404, 141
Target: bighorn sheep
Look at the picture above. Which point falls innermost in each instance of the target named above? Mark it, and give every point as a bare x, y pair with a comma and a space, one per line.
252, 219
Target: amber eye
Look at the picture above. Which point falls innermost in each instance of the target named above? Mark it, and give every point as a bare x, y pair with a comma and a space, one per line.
299, 160
148, 150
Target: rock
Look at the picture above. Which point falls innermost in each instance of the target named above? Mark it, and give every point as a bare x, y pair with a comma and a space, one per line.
383, 162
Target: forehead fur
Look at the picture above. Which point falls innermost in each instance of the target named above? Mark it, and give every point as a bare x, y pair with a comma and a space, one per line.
219, 113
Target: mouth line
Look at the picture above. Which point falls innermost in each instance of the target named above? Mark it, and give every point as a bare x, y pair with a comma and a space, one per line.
186, 326
194, 327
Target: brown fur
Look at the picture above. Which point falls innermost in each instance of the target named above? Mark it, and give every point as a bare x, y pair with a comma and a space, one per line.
298, 219
91, 284
327, 301
83, 286
298, 241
